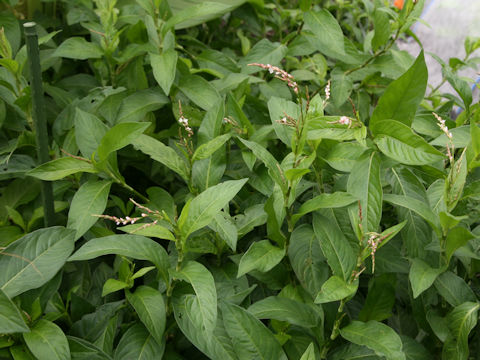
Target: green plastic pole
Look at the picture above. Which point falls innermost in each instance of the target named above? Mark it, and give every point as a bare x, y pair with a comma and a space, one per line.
39, 119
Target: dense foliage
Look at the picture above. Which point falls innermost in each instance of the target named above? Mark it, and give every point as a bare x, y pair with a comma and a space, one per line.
237, 180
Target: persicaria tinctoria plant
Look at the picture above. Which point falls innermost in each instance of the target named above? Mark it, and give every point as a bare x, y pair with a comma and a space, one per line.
237, 180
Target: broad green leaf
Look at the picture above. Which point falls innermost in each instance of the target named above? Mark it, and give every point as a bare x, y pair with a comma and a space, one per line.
365, 184
414, 350
150, 308
138, 344
261, 256
455, 182
11, 321
334, 289
269, 161
188, 13
461, 320
377, 336
206, 150
309, 354
113, 285
253, 216
456, 238
399, 142
120, 136
205, 305
453, 289
136, 106
284, 309
278, 109
78, 48
89, 200
47, 341
157, 231
199, 91
134, 246
380, 299
217, 345
81, 349
234, 110
164, 67
343, 156
263, 52
212, 122
322, 201
31, 261
335, 246
60, 168
342, 86
352, 351
381, 24
402, 97
160, 152
200, 211
224, 226
461, 86
327, 127
417, 207
307, 259
209, 172
89, 131
250, 338
422, 276
327, 32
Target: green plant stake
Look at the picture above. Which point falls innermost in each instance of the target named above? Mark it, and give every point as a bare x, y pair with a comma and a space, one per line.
40, 123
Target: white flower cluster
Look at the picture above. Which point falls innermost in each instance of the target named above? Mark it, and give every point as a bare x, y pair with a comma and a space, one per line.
279, 74
442, 126
184, 122
345, 120
327, 91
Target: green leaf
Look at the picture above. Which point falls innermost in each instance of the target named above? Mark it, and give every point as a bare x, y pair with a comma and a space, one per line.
381, 24
160, 152
328, 33
250, 338
89, 200
81, 349
224, 226
188, 13
278, 107
402, 97
134, 246
335, 246
334, 289
78, 48
456, 238
205, 305
342, 86
157, 231
365, 184
164, 67
422, 276
138, 344
113, 285
200, 211
377, 336
206, 150
343, 156
120, 136
11, 321
307, 259
261, 256
284, 309
150, 308
264, 156
60, 168
417, 207
380, 299
199, 91
461, 320
217, 345
322, 201
263, 52
453, 289
309, 354
89, 131
47, 341
399, 142
136, 106
34, 259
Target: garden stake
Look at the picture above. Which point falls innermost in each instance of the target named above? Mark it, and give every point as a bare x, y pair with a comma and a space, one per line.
39, 120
